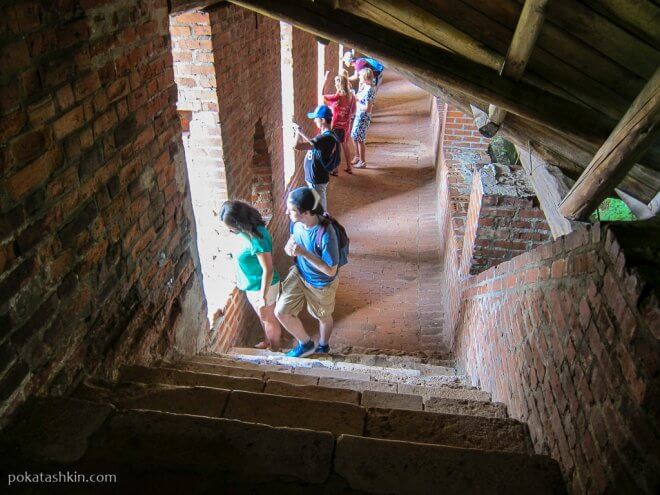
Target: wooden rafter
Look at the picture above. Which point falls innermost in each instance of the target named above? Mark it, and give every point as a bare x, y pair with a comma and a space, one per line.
636, 131
414, 21
437, 67
522, 45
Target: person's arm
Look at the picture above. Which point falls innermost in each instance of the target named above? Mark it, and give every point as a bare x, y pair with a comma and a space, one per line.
326, 79
266, 262
303, 143
317, 262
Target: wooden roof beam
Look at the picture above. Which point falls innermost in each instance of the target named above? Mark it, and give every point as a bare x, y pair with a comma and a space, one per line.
636, 131
524, 38
437, 67
416, 22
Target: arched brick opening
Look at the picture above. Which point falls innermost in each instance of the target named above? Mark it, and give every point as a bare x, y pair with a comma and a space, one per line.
261, 195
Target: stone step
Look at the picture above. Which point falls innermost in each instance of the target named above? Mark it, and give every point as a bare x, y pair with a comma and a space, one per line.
466, 407
328, 368
427, 367
386, 466
336, 417
170, 376
148, 448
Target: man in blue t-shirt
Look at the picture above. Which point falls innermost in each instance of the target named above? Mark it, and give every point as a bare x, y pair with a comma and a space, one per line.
313, 277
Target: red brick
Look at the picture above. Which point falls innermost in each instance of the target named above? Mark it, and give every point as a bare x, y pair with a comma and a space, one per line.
69, 122
32, 175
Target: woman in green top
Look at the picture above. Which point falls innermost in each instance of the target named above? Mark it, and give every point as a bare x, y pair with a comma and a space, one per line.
256, 274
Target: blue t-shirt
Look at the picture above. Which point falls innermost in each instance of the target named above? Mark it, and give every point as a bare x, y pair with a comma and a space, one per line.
329, 253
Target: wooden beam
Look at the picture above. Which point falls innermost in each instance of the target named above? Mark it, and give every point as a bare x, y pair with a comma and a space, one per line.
485, 125
550, 185
416, 22
437, 67
636, 131
521, 47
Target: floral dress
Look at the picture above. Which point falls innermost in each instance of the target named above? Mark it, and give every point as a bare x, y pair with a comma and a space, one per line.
362, 118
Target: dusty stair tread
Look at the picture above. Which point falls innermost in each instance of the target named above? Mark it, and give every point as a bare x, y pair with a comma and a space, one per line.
171, 376
137, 440
445, 392
201, 401
288, 377
457, 430
388, 466
312, 414
390, 400
464, 406
312, 392
216, 369
401, 362
358, 385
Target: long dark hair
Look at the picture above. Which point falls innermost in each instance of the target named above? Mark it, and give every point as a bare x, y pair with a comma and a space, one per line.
242, 217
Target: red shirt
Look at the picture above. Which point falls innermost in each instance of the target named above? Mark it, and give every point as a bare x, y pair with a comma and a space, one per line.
342, 108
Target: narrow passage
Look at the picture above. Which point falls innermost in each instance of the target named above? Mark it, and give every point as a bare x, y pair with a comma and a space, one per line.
388, 293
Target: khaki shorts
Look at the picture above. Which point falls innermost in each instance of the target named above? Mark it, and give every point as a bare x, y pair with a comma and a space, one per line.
295, 292
271, 296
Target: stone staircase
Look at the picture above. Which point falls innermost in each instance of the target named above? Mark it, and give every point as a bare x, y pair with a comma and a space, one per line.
254, 421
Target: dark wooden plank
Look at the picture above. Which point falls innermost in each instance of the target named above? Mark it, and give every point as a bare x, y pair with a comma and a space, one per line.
606, 37
638, 129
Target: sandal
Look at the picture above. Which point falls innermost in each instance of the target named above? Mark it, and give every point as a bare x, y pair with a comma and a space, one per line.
262, 345
360, 164
355, 160
348, 171
334, 173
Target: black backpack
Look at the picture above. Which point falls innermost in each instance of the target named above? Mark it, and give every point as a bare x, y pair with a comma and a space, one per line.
335, 157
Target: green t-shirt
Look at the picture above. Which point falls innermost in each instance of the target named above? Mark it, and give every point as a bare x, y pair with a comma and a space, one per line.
249, 269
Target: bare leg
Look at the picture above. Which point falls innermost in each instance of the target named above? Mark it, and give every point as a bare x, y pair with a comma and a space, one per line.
294, 326
325, 329
363, 151
356, 158
347, 151
271, 327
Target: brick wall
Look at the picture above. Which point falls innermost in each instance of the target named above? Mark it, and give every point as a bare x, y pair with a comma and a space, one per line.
97, 246
567, 336
246, 48
332, 58
197, 105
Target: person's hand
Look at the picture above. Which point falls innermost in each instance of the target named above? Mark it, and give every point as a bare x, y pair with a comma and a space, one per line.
289, 247
261, 308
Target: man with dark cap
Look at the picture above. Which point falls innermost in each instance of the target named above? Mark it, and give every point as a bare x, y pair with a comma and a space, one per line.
312, 280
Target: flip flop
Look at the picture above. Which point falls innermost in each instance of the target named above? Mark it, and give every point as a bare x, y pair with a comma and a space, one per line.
348, 171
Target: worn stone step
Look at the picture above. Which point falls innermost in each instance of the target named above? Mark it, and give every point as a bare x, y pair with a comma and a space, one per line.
476, 432
312, 392
201, 401
386, 466
336, 417
170, 376
444, 392
389, 400
217, 369
95, 436
296, 412
467, 407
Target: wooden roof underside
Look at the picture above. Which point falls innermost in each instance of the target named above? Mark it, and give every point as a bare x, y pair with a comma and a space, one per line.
590, 61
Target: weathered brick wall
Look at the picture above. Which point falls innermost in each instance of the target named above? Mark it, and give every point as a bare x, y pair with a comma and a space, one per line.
499, 227
332, 60
567, 336
462, 148
246, 48
97, 250
304, 83
246, 52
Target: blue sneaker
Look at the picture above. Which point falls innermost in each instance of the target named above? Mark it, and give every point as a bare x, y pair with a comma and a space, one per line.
302, 350
322, 349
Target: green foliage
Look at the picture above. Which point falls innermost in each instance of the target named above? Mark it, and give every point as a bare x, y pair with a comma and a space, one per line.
613, 210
